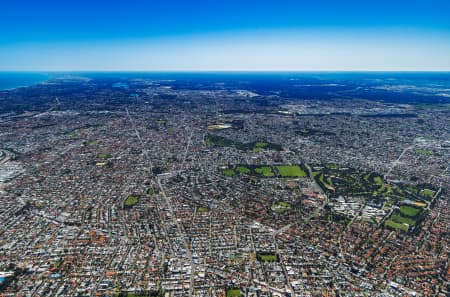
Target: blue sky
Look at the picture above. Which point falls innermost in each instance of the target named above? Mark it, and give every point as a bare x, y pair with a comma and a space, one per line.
225, 35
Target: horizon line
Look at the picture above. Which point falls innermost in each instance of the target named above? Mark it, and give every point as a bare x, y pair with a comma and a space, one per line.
226, 70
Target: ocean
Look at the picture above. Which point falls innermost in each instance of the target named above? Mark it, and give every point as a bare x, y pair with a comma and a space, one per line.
11, 80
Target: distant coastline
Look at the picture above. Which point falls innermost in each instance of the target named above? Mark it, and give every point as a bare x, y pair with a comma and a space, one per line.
14, 80
10, 80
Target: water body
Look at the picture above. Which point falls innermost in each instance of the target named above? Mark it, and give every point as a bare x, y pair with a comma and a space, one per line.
12, 80
120, 85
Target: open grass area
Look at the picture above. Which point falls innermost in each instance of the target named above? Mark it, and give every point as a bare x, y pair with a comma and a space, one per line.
202, 209
291, 171
427, 193
378, 180
104, 156
265, 171
266, 257
243, 169
280, 206
229, 172
409, 211
269, 258
233, 293
401, 219
261, 144
396, 226
411, 189
130, 201
424, 152
93, 142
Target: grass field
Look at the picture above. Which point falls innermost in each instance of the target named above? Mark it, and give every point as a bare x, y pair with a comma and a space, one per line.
202, 209
104, 156
378, 180
291, 171
229, 172
218, 141
261, 144
93, 142
265, 171
409, 211
130, 201
242, 169
424, 152
267, 257
233, 293
401, 219
427, 192
397, 226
